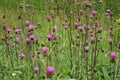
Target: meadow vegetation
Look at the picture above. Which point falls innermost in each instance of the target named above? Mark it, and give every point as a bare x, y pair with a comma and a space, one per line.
59, 40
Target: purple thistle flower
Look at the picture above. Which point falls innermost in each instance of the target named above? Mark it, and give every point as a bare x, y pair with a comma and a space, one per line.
13, 45
111, 13
80, 29
32, 36
94, 13
113, 55
8, 30
78, 17
86, 48
100, 1
22, 55
18, 31
65, 27
50, 70
81, 12
28, 41
48, 18
36, 69
110, 27
110, 41
44, 50
76, 25
27, 23
91, 16
49, 37
31, 27
108, 11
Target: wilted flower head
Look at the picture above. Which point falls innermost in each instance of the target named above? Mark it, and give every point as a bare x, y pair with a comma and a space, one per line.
35, 41
87, 4
17, 40
100, 1
55, 27
111, 13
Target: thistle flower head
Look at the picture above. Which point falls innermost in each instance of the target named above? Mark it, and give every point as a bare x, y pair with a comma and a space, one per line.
113, 55
32, 36
28, 41
31, 27
22, 55
49, 37
94, 13
17, 40
48, 18
44, 50
50, 70
36, 69
81, 12
27, 23
18, 31
8, 30
110, 41
86, 48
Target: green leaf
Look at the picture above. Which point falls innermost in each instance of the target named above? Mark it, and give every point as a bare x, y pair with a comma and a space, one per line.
106, 76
